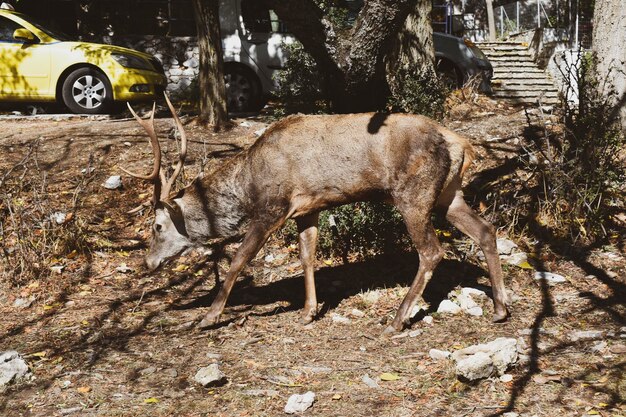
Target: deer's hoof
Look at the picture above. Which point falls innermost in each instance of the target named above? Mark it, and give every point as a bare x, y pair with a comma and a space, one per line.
307, 319
500, 316
209, 320
390, 331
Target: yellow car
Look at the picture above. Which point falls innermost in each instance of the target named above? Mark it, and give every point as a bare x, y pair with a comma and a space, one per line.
39, 65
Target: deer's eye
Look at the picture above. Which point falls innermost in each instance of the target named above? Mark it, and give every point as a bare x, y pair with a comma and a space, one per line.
158, 227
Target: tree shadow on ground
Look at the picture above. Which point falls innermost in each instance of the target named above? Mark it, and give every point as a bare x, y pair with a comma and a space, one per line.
337, 283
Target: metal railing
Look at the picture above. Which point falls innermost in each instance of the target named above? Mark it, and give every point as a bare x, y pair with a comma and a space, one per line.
524, 15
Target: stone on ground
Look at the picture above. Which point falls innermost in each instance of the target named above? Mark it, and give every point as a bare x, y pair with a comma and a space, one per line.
210, 376
299, 403
483, 360
12, 368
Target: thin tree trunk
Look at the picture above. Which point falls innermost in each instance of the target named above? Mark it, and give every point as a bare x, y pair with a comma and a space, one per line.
211, 72
609, 38
491, 21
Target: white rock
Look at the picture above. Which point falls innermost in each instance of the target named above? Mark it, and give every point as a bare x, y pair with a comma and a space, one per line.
23, 302
447, 306
113, 182
58, 217
124, 269
338, 318
12, 368
505, 246
475, 311
585, 335
599, 347
210, 376
260, 131
510, 414
355, 312
476, 366
501, 354
299, 403
473, 292
428, 319
465, 302
549, 277
245, 124
506, 378
370, 382
415, 333
437, 354
516, 258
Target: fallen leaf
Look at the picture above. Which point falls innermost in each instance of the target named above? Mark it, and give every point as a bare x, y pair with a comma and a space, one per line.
389, 377
603, 405
336, 397
328, 262
83, 390
41, 354
524, 265
592, 413
180, 268
151, 400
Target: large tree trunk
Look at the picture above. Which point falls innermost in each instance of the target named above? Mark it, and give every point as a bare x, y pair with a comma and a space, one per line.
211, 73
609, 38
354, 66
413, 53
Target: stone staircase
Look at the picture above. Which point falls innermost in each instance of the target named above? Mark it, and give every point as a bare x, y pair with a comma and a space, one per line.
516, 77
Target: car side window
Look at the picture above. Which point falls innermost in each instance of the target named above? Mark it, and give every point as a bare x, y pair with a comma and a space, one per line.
7, 27
258, 17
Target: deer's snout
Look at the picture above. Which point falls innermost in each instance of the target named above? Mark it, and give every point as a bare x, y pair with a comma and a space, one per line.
152, 263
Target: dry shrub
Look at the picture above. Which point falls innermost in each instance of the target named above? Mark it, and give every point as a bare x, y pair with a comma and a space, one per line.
34, 227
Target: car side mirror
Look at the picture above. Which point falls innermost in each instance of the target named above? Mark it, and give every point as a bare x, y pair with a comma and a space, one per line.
24, 35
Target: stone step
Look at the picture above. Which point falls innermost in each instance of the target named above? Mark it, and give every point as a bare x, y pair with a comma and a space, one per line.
525, 69
512, 54
519, 75
525, 89
502, 48
525, 94
511, 59
499, 44
521, 84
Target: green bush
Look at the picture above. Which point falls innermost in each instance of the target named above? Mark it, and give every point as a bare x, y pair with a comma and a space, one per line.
359, 229
586, 175
299, 87
419, 93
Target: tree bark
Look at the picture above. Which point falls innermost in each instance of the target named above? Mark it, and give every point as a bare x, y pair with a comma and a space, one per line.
211, 70
609, 38
491, 21
354, 66
413, 51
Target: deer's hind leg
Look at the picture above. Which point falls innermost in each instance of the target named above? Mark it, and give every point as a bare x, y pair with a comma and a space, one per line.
482, 232
307, 229
416, 213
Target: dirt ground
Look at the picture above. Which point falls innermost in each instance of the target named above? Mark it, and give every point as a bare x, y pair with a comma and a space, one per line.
103, 337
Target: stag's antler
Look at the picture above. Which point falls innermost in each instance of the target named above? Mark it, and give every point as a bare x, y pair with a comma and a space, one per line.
162, 185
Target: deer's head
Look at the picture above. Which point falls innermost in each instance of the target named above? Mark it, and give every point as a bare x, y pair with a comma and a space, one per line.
169, 232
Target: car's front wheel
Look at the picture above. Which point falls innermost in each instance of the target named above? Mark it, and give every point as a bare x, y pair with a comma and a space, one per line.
243, 92
87, 91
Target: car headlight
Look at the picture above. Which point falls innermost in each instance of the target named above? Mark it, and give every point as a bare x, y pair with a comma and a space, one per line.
475, 50
131, 61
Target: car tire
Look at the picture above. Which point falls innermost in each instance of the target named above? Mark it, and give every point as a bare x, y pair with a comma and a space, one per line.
87, 91
449, 74
243, 90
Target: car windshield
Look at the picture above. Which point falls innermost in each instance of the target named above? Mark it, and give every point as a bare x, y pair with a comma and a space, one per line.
58, 35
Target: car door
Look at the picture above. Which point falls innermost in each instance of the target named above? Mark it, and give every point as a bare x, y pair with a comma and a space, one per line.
24, 67
265, 38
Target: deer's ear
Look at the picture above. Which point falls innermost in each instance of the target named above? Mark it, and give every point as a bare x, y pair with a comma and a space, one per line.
176, 214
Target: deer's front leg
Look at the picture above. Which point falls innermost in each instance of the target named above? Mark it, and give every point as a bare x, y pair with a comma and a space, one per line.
253, 241
307, 229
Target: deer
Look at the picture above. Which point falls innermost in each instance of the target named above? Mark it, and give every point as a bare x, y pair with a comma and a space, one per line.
304, 164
